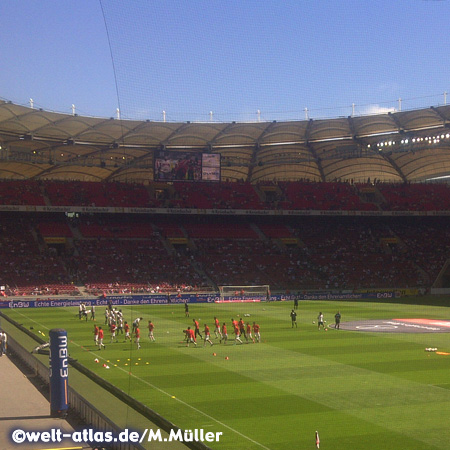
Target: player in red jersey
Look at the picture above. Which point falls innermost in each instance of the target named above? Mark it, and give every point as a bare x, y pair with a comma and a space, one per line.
96, 334
137, 334
224, 337
256, 332
113, 329
126, 327
217, 328
237, 335
151, 327
207, 337
242, 327
249, 333
100, 339
197, 328
191, 337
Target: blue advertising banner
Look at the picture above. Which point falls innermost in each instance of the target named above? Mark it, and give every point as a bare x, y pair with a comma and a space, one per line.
164, 299
113, 300
59, 372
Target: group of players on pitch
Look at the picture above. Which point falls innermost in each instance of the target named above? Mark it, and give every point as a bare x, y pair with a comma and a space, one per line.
320, 321
116, 324
114, 320
240, 328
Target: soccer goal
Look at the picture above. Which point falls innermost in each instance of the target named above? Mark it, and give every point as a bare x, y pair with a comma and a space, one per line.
259, 293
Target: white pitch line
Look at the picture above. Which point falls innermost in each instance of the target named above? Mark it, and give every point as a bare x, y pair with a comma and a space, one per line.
169, 395
180, 401
195, 409
29, 318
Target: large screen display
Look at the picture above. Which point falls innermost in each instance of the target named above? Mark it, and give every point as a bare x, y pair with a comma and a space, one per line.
211, 166
187, 166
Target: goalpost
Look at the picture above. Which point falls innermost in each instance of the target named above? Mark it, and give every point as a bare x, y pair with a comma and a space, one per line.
257, 293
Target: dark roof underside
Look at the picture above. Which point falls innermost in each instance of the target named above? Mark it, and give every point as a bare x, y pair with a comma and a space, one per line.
404, 146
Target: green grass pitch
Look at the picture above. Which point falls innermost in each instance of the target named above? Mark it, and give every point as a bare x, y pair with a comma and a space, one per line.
364, 391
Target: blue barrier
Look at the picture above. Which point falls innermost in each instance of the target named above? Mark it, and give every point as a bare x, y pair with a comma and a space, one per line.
59, 372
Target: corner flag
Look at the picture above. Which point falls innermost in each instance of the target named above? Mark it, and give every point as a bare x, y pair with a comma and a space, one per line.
317, 440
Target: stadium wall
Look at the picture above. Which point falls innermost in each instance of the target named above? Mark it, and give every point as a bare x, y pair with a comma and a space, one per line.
82, 408
87, 412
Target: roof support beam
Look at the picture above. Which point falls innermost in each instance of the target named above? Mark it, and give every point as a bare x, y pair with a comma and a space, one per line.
395, 166
312, 150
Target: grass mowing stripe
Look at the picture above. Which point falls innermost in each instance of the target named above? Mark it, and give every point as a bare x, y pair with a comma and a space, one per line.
99, 356
187, 405
352, 386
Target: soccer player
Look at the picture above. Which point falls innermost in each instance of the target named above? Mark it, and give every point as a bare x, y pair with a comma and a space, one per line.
113, 328
96, 334
84, 313
137, 334
127, 331
224, 337
151, 327
242, 327
197, 328
119, 322
207, 336
100, 338
249, 333
217, 328
136, 323
112, 315
186, 309
337, 320
191, 337
93, 312
256, 332
317, 440
237, 337
294, 318
106, 316
320, 321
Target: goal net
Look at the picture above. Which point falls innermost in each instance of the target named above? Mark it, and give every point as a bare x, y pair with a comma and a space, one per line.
259, 293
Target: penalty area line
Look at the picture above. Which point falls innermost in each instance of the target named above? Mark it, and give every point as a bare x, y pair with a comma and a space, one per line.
169, 395
198, 411
162, 391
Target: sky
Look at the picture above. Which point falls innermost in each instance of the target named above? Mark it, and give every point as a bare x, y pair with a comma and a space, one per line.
225, 60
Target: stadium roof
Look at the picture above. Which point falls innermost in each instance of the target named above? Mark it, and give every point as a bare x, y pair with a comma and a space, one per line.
394, 147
